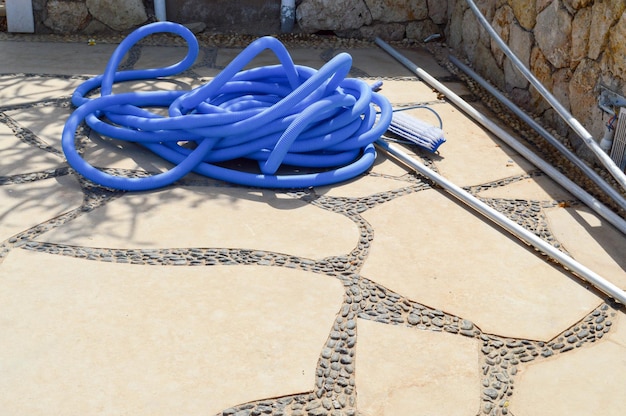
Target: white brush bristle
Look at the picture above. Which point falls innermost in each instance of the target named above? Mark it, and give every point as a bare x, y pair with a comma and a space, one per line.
416, 131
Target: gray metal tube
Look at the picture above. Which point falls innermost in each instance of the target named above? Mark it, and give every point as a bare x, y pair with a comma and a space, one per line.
287, 15
583, 272
608, 163
591, 174
549, 170
160, 10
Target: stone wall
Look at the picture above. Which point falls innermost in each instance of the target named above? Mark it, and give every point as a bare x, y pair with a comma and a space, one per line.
572, 46
88, 16
388, 19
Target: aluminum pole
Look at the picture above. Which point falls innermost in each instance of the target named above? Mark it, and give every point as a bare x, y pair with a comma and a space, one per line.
552, 172
583, 272
608, 163
591, 174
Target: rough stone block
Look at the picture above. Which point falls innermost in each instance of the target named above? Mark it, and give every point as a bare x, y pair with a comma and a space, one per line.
117, 14
66, 16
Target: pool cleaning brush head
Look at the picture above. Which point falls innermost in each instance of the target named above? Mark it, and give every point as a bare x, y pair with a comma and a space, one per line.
416, 131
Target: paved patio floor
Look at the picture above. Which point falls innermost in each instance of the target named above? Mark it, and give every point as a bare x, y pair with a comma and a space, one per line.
379, 296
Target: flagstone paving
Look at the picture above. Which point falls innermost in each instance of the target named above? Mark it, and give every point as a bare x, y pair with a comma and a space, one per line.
572, 374
404, 372
379, 296
124, 338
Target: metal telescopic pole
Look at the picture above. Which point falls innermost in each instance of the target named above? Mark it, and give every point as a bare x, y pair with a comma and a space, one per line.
608, 163
548, 169
583, 272
589, 172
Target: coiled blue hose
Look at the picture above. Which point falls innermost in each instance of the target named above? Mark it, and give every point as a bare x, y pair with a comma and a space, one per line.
275, 115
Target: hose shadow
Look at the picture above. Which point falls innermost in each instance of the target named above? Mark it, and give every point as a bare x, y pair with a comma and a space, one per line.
207, 215
26, 205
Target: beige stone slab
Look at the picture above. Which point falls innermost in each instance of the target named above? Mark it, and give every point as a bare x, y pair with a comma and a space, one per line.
402, 92
54, 57
585, 381
590, 240
106, 153
425, 60
458, 88
373, 61
84, 338
378, 63
25, 205
387, 165
174, 83
403, 371
206, 72
226, 55
361, 187
472, 156
617, 335
539, 188
18, 157
300, 56
19, 89
444, 256
305, 57
46, 122
162, 56
212, 217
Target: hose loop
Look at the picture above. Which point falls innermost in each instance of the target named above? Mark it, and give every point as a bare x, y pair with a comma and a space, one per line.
279, 115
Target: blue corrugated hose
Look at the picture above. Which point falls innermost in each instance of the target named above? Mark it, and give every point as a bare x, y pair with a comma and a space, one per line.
284, 114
